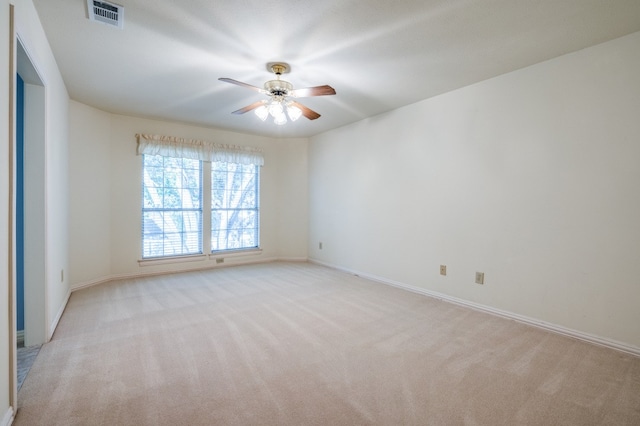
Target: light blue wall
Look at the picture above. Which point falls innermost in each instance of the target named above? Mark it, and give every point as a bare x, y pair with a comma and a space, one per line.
20, 202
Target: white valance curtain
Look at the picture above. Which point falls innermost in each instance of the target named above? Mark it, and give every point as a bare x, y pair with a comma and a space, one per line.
170, 146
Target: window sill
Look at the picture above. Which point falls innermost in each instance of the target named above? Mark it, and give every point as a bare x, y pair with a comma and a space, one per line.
234, 253
174, 259
199, 257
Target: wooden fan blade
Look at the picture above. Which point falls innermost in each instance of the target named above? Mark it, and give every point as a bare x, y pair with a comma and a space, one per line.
313, 91
307, 112
239, 83
249, 107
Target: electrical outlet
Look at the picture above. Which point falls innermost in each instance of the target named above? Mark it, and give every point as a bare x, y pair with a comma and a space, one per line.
443, 269
479, 277
320, 245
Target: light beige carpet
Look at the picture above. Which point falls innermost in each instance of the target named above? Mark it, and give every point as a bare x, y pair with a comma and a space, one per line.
301, 344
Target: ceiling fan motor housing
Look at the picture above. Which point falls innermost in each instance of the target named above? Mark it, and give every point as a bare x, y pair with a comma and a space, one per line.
278, 87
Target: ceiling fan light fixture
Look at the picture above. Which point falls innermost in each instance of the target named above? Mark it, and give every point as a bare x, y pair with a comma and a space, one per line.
280, 119
293, 112
275, 108
262, 112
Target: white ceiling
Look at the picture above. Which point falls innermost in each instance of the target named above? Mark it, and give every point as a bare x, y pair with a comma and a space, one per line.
378, 54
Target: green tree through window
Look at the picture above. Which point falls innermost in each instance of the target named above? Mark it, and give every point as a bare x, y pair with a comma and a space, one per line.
172, 209
234, 206
173, 198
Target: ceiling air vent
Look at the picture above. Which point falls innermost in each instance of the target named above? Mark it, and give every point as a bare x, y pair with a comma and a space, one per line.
105, 12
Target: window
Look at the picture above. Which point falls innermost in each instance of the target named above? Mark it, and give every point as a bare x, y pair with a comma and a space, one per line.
172, 208
234, 206
173, 220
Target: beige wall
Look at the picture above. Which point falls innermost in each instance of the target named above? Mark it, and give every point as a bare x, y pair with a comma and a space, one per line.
530, 177
90, 193
292, 202
106, 195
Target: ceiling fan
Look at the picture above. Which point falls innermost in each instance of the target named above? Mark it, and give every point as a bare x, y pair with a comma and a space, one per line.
282, 97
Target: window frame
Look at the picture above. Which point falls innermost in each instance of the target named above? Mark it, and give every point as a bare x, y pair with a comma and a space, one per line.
254, 209
205, 210
168, 210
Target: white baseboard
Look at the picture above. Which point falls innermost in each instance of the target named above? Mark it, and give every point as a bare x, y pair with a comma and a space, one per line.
207, 266
91, 283
292, 259
56, 320
8, 417
612, 344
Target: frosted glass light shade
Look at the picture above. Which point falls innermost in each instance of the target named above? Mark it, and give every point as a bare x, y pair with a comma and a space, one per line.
262, 112
280, 119
275, 109
294, 112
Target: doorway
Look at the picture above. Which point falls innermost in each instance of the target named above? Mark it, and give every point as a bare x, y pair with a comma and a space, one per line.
30, 210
